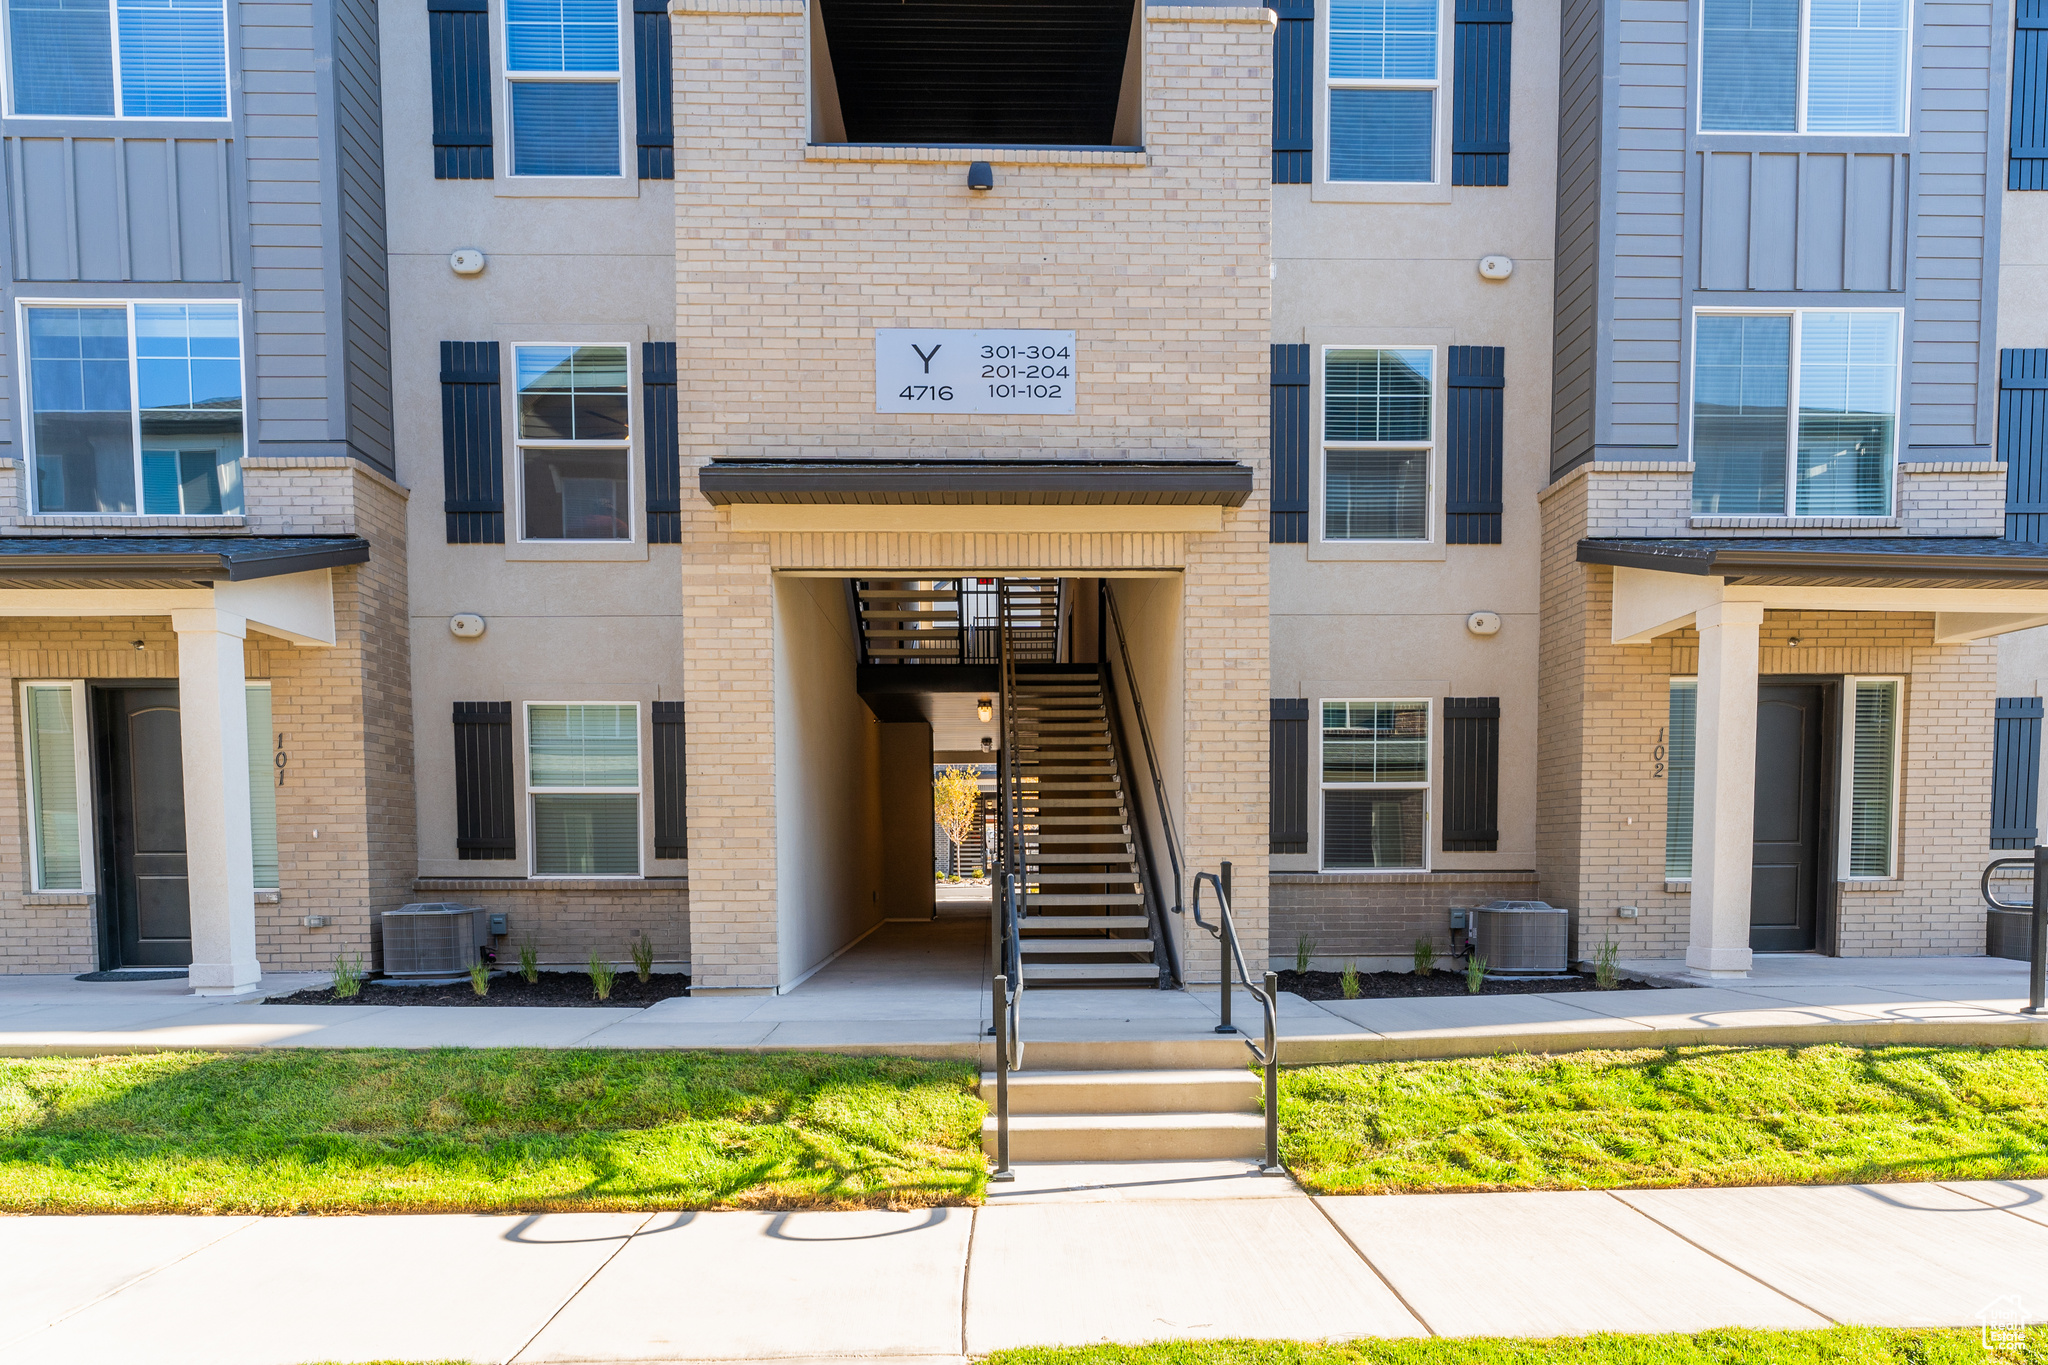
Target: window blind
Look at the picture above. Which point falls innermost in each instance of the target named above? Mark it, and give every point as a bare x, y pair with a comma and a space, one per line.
565, 128
1382, 135
1855, 66
1383, 39
1741, 373
53, 761
1375, 494
1678, 766
1872, 779
173, 59
1368, 829
63, 57
584, 833
1848, 387
1377, 395
586, 745
262, 789
1749, 66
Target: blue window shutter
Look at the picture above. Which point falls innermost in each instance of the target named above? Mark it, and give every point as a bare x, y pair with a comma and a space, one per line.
1290, 445
472, 444
1482, 65
1471, 781
1294, 92
484, 804
1472, 465
2016, 772
2023, 441
1287, 768
663, 445
653, 91
2027, 168
459, 55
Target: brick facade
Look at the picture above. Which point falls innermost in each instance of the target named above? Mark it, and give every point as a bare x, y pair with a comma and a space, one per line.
1374, 918
566, 920
1158, 262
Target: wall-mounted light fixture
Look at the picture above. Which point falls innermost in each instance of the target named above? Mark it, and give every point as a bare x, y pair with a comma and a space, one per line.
981, 176
984, 710
988, 746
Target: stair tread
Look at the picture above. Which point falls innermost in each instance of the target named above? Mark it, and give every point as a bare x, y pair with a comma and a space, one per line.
1184, 1120
1082, 898
1085, 945
1090, 971
1070, 923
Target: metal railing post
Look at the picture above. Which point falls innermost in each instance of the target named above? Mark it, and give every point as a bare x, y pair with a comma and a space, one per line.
1002, 997
1223, 952
2037, 954
1272, 1076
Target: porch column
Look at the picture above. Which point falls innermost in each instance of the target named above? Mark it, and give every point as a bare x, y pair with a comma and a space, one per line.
1724, 788
213, 721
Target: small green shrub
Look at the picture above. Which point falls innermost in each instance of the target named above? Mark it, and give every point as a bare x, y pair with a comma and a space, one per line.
348, 975
1604, 964
1304, 949
1349, 981
1475, 973
601, 976
529, 962
480, 977
1425, 956
643, 957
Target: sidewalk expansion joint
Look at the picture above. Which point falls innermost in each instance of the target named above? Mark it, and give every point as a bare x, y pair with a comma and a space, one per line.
624, 1242
1359, 1252
127, 1284
1615, 1195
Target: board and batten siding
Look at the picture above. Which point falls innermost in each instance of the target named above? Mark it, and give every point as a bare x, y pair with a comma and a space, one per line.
1656, 219
280, 207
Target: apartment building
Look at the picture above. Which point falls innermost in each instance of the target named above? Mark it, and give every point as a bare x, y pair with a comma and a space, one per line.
204, 527
1420, 454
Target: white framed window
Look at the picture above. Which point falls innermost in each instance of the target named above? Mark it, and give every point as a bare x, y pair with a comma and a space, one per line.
135, 408
1871, 724
1379, 429
564, 96
573, 430
1674, 752
1804, 66
263, 779
162, 59
1383, 65
1795, 412
583, 788
59, 785
1373, 762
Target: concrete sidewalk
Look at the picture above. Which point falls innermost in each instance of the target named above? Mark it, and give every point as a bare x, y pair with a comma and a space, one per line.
1070, 1255
919, 989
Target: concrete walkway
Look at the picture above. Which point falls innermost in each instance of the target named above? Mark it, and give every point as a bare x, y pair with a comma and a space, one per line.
1070, 1255
920, 989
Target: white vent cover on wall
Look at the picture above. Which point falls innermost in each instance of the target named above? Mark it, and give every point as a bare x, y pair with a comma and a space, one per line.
1522, 938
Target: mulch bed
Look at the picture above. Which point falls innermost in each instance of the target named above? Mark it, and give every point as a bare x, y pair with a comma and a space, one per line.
1391, 985
553, 988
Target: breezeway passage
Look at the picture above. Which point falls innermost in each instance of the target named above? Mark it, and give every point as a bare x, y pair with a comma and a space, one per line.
1253, 1257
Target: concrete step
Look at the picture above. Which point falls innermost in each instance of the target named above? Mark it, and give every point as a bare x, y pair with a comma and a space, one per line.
1042, 973
1217, 1090
1061, 898
1128, 1137
1083, 878
1086, 859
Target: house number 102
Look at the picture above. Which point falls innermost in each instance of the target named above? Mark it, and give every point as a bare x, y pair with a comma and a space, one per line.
1657, 755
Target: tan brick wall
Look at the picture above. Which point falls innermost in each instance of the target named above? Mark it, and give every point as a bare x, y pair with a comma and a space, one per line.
1601, 836
343, 714
568, 921
1160, 267
1653, 498
1375, 918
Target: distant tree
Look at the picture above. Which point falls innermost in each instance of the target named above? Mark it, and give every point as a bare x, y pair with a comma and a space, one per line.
956, 803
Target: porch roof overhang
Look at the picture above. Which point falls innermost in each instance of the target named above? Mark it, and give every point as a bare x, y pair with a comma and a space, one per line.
976, 494
280, 585
123, 562
1974, 586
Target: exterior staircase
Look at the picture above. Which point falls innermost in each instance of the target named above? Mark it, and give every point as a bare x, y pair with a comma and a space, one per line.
1184, 1115
1085, 918
909, 621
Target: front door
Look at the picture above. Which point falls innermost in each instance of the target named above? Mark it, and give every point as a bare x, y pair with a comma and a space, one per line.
1786, 875
142, 791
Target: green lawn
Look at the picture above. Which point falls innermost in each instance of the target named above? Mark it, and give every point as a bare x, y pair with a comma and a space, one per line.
338, 1132
1834, 1346
1687, 1116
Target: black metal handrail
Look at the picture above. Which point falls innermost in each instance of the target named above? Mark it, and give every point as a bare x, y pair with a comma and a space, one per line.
1123, 649
1224, 931
2037, 954
1141, 843
1006, 994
